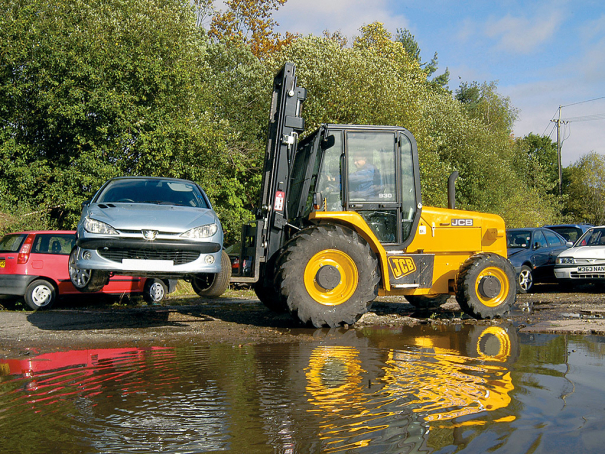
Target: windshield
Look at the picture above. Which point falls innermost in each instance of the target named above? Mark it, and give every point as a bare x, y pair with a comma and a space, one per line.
11, 243
156, 191
593, 237
518, 239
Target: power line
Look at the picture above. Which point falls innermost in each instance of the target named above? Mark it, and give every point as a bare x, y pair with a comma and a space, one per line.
587, 117
582, 102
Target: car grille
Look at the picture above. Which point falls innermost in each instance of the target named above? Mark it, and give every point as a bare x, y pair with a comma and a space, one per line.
575, 275
177, 257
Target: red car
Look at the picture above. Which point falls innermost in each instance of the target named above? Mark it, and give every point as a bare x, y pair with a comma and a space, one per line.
34, 265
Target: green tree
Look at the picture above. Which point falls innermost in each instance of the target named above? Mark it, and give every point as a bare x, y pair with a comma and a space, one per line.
482, 101
586, 190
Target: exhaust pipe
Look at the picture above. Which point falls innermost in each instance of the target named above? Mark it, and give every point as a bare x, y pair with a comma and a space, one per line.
451, 190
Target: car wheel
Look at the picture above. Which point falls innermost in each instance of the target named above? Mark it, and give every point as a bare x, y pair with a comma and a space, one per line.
86, 280
486, 287
154, 291
328, 275
426, 302
213, 285
40, 294
525, 280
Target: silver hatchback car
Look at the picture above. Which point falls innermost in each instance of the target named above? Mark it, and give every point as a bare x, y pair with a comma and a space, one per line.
149, 226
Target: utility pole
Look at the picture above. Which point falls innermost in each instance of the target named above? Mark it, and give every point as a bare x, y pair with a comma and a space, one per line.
559, 122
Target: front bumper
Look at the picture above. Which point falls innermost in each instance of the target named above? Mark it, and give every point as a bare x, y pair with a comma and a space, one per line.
149, 258
580, 272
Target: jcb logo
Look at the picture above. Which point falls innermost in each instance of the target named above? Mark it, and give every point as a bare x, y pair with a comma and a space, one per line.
401, 266
462, 222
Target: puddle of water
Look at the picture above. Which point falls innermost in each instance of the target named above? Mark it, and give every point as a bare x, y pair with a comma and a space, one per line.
424, 389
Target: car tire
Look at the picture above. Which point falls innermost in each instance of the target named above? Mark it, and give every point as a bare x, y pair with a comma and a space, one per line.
525, 280
210, 285
154, 291
426, 302
270, 296
86, 281
40, 295
350, 279
486, 286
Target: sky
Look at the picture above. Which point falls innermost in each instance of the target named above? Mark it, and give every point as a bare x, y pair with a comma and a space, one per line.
541, 54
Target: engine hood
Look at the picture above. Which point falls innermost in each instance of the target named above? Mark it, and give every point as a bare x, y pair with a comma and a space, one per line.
137, 216
585, 252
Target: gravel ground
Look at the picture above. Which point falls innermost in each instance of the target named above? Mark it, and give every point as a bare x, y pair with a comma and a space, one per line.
240, 318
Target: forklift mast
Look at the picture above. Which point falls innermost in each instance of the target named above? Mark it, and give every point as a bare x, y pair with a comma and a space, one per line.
264, 239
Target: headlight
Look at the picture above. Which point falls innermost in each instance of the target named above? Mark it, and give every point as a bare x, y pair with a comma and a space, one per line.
94, 226
203, 231
565, 261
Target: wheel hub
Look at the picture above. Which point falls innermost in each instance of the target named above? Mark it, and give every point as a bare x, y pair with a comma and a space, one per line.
328, 277
489, 287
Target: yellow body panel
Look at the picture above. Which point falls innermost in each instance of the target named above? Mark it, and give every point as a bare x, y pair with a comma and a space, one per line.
451, 236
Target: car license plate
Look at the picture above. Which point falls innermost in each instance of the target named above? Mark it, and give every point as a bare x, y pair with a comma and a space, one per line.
591, 269
2, 263
147, 265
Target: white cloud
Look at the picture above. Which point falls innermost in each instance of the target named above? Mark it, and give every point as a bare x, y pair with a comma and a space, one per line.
521, 34
348, 16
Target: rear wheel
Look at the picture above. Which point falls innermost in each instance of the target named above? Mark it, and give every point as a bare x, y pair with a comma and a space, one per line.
427, 302
328, 275
525, 280
486, 287
40, 294
154, 291
213, 285
86, 280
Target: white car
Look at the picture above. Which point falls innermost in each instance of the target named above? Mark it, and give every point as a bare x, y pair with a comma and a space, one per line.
585, 261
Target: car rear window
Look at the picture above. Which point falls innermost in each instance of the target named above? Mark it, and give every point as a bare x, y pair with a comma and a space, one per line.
54, 243
569, 233
11, 243
162, 192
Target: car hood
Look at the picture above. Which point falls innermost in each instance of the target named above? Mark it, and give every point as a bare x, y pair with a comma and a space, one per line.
585, 252
136, 216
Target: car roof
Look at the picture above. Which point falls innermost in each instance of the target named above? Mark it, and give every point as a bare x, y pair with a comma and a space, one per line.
525, 228
151, 178
586, 226
37, 232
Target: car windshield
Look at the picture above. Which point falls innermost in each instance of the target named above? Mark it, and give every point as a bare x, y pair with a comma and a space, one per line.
156, 191
593, 237
519, 239
11, 243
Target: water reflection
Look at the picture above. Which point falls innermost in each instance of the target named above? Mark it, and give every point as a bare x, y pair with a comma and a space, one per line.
422, 389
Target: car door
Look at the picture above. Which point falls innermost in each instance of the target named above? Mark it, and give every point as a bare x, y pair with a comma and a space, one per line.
556, 245
540, 255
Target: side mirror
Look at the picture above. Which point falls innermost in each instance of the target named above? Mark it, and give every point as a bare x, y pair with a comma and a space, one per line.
536, 245
569, 244
317, 201
328, 142
85, 203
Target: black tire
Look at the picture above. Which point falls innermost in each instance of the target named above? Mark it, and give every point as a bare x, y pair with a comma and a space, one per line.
40, 295
427, 302
210, 285
486, 286
154, 291
86, 281
270, 296
349, 278
525, 280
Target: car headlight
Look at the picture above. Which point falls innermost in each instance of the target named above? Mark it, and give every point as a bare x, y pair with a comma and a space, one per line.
203, 231
94, 226
565, 261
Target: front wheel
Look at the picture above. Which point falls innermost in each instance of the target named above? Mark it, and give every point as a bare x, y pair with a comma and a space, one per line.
154, 291
40, 294
486, 287
210, 285
86, 280
327, 275
525, 280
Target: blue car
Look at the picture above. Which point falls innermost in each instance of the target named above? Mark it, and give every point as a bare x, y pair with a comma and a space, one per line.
533, 253
571, 232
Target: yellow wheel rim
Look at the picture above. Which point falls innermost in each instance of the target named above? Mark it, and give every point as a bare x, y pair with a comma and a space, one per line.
504, 286
348, 277
504, 344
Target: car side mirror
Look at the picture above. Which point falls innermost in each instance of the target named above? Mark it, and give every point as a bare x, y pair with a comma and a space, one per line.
536, 245
569, 244
85, 203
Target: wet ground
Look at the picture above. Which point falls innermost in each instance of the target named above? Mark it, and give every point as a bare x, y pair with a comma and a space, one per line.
227, 375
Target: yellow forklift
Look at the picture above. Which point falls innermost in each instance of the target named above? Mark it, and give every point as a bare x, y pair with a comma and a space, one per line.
341, 221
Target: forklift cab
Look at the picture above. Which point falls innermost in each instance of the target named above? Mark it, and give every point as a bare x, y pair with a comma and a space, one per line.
372, 170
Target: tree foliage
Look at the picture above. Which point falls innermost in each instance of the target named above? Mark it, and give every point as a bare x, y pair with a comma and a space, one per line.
586, 190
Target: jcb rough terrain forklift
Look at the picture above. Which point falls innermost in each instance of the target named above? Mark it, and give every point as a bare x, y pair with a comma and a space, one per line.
341, 221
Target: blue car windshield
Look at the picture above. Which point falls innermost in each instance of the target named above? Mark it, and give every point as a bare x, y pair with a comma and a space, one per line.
155, 191
593, 237
518, 239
